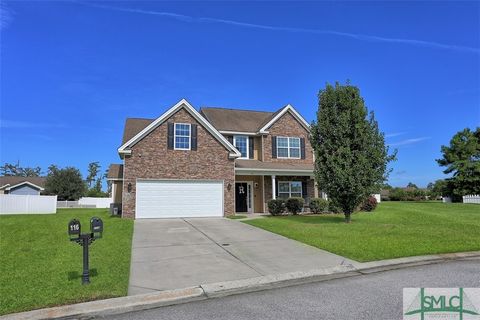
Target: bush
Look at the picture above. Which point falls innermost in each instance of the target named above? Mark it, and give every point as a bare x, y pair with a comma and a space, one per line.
333, 207
318, 205
369, 204
399, 194
276, 206
294, 205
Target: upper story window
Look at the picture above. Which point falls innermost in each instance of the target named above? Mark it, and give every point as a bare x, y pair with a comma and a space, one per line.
241, 143
288, 147
289, 189
182, 135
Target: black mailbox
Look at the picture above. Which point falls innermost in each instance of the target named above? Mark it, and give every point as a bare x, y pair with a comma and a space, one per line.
74, 228
96, 227
85, 240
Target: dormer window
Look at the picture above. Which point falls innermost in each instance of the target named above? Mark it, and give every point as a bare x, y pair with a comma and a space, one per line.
288, 147
241, 143
182, 135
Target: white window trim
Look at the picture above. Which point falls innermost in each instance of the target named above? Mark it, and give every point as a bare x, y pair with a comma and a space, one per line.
288, 148
290, 188
175, 136
247, 144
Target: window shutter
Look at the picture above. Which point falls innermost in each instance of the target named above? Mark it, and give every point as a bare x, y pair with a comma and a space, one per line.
302, 148
230, 139
193, 137
170, 135
276, 189
274, 147
250, 147
304, 189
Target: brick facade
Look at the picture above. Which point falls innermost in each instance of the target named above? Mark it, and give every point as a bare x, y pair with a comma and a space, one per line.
287, 126
150, 159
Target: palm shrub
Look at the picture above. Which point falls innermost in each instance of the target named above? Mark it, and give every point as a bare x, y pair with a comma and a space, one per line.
318, 205
276, 206
294, 204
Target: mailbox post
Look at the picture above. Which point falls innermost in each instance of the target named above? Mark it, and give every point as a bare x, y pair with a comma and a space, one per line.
85, 239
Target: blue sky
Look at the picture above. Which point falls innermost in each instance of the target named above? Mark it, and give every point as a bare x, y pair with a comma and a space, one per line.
72, 71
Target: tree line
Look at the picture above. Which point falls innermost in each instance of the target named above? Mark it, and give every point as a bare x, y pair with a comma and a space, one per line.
67, 183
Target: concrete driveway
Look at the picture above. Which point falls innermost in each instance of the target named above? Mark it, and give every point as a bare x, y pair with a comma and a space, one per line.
177, 253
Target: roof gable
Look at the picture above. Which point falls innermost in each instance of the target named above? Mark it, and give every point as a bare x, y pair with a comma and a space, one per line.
7, 182
125, 148
248, 121
288, 108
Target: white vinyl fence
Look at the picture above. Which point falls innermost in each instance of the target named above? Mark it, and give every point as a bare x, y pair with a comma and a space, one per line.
86, 202
446, 200
97, 202
472, 198
67, 204
25, 204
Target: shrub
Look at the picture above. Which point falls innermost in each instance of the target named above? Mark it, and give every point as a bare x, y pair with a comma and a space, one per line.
369, 204
333, 207
276, 206
294, 205
318, 205
399, 194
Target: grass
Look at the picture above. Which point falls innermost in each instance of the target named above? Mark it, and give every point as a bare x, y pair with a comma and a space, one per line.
238, 216
393, 230
40, 267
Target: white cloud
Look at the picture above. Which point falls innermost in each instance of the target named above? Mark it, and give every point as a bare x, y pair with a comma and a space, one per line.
408, 141
6, 16
357, 36
14, 124
394, 134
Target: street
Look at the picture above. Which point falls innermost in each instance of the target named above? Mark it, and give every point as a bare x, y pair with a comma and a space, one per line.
370, 296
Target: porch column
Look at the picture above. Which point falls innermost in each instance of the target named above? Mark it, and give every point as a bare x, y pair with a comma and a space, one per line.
273, 187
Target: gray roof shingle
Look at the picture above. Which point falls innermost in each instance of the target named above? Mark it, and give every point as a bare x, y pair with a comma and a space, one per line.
12, 180
236, 120
115, 171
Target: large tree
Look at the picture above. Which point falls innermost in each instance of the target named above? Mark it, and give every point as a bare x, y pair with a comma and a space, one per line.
462, 159
350, 153
439, 188
14, 169
93, 170
94, 181
412, 185
66, 183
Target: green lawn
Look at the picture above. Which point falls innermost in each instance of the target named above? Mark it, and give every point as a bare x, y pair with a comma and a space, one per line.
238, 216
394, 229
40, 267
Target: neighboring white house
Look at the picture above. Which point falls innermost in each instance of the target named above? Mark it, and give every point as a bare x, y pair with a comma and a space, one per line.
31, 186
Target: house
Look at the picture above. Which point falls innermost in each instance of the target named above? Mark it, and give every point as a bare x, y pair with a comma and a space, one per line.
22, 185
212, 162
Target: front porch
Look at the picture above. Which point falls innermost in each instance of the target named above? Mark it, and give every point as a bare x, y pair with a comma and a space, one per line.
252, 192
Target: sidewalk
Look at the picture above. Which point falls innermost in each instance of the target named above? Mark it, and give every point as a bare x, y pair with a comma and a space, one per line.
207, 291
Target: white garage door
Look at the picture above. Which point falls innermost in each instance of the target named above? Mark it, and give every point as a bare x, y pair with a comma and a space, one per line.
179, 199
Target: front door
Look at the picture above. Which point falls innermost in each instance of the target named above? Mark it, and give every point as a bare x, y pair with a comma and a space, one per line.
241, 197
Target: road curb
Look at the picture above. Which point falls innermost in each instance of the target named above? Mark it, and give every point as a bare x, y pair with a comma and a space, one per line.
221, 289
113, 306
227, 288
